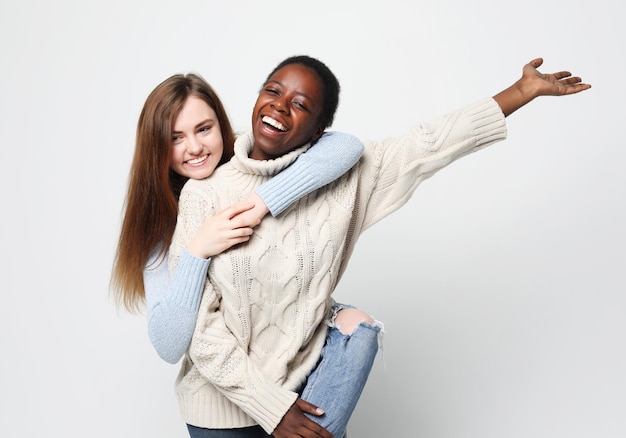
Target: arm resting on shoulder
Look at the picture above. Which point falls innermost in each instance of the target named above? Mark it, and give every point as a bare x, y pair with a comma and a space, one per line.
333, 155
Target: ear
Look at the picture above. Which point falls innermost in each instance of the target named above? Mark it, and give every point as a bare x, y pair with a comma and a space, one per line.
317, 134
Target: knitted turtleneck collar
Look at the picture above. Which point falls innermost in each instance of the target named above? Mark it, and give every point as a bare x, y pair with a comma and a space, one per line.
242, 161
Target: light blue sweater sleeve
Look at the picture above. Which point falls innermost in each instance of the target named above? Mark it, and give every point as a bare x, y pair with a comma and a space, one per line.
333, 155
173, 302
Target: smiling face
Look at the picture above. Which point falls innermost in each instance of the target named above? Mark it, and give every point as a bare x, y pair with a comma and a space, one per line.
287, 112
197, 144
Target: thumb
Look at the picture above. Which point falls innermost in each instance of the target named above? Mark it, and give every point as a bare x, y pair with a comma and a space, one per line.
309, 408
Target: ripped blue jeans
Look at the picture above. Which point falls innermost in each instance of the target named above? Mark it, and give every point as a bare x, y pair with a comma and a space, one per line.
335, 384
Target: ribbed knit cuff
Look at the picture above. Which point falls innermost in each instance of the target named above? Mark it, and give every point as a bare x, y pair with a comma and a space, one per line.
211, 409
487, 121
269, 404
188, 281
284, 189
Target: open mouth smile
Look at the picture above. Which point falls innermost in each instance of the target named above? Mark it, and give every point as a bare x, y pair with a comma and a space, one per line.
197, 161
273, 123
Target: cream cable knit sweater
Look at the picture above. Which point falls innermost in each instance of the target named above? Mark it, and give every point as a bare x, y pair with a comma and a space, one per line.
260, 330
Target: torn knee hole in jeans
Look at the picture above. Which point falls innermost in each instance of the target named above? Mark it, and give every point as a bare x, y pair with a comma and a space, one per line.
372, 323
355, 318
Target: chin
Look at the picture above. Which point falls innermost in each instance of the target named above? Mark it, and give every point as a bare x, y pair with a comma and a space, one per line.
203, 175
198, 174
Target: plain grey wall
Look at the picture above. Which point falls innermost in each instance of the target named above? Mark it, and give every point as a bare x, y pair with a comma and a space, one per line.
502, 282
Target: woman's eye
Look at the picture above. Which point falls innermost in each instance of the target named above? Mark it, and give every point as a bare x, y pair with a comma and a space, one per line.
176, 139
300, 105
205, 129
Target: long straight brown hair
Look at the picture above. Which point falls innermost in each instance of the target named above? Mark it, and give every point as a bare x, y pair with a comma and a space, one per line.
151, 204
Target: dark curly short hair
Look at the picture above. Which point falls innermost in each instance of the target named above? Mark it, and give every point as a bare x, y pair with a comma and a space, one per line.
328, 80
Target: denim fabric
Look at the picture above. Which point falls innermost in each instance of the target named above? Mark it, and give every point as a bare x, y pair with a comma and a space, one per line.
337, 382
335, 385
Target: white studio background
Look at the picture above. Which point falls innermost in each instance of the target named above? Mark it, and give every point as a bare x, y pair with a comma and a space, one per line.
502, 283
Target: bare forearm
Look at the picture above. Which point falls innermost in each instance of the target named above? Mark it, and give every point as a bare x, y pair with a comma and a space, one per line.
513, 98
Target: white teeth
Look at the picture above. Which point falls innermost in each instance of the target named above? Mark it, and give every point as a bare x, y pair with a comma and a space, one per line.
197, 160
275, 123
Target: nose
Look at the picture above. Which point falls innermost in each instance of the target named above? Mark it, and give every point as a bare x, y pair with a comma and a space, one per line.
280, 105
194, 147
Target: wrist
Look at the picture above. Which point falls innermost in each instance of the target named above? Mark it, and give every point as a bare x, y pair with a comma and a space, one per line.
515, 97
196, 250
527, 90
